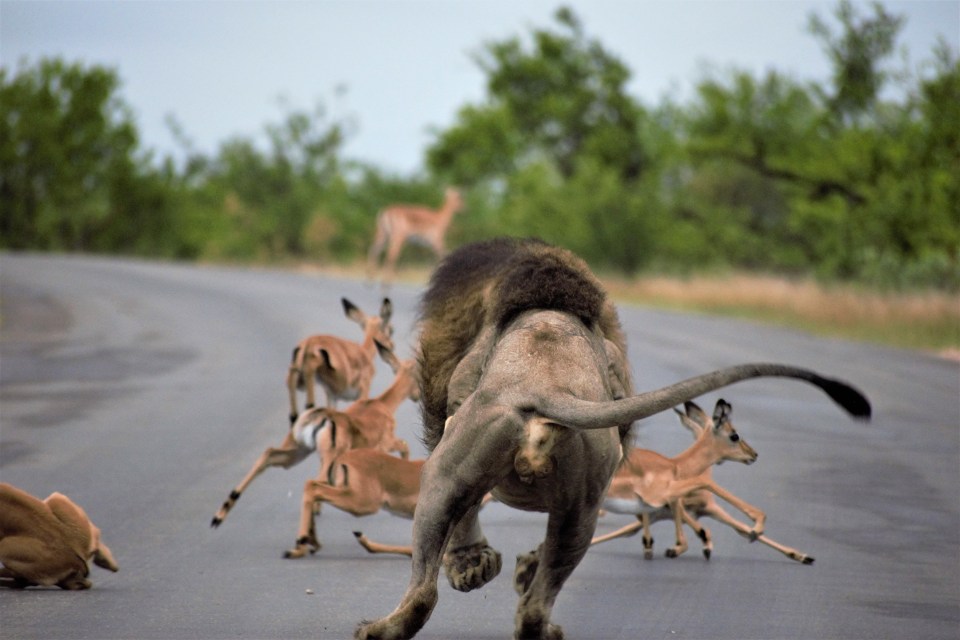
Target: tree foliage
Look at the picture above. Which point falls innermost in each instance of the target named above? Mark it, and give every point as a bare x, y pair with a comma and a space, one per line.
66, 162
856, 54
758, 172
561, 140
559, 99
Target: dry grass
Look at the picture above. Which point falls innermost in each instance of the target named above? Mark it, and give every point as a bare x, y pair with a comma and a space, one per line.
928, 321
923, 320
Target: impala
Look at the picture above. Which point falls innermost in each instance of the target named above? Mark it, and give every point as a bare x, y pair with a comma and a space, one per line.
402, 223
698, 503
366, 423
361, 482
342, 367
47, 542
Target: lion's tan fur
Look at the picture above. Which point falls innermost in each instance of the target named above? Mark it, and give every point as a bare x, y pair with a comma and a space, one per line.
486, 286
526, 394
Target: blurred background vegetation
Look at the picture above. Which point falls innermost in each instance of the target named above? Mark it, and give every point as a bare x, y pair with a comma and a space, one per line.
837, 181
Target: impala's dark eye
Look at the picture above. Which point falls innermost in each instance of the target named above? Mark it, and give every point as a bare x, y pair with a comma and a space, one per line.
735, 437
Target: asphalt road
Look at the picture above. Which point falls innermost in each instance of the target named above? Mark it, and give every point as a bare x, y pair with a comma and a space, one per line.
146, 390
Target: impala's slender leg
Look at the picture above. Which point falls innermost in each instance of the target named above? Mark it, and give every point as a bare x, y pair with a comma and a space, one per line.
702, 532
377, 547
293, 381
393, 255
379, 242
647, 536
757, 515
719, 514
286, 455
307, 541
623, 532
681, 544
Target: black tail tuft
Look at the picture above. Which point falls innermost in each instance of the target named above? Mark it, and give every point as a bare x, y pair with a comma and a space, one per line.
854, 402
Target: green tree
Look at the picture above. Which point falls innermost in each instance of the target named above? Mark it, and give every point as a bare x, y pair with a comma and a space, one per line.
856, 54
67, 145
558, 144
837, 181
561, 99
261, 202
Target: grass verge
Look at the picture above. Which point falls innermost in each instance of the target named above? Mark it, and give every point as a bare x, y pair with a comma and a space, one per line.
927, 321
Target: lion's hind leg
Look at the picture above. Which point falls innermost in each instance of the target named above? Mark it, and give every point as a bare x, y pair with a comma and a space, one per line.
470, 562
525, 570
541, 574
460, 471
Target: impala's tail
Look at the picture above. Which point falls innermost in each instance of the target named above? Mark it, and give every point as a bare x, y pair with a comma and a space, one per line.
584, 414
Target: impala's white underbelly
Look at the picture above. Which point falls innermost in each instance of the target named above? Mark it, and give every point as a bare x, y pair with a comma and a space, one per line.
631, 506
306, 434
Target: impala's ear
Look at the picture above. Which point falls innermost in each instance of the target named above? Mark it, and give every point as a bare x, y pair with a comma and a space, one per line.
695, 413
386, 310
692, 425
353, 312
386, 353
721, 413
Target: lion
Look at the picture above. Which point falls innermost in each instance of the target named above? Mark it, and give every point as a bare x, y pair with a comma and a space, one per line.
526, 394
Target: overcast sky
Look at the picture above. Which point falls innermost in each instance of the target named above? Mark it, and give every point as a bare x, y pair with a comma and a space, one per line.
221, 67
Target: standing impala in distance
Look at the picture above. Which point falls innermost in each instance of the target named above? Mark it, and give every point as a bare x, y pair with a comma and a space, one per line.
364, 424
342, 367
697, 503
402, 223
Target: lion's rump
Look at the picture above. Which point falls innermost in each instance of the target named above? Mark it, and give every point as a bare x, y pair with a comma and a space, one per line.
489, 284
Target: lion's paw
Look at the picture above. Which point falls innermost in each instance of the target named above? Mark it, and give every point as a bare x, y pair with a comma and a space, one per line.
527, 564
470, 568
549, 631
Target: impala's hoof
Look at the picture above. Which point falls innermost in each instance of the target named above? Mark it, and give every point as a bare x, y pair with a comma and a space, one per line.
304, 545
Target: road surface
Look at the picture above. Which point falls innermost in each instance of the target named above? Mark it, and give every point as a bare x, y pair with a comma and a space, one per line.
146, 390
